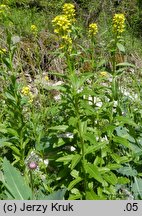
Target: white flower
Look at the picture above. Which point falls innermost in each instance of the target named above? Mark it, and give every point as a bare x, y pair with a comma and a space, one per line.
46, 162
73, 148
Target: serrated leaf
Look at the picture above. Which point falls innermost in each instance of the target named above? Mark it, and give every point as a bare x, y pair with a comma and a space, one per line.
122, 141
74, 173
67, 158
74, 182
110, 178
90, 195
90, 137
123, 180
92, 170
59, 127
114, 166
12, 132
136, 188
75, 160
126, 120
128, 171
92, 149
15, 182
56, 195
116, 158
4, 142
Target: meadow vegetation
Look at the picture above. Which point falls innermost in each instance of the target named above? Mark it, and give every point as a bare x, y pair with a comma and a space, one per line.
70, 99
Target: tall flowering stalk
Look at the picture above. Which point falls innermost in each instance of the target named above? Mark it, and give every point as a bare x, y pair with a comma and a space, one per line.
118, 24
93, 29
69, 11
63, 26
118, 27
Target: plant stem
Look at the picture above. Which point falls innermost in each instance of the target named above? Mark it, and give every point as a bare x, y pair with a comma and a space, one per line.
31, 181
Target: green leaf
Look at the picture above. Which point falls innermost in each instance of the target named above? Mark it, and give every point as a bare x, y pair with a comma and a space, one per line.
90, 137
12, 132
15, 182
75, 160
92, 149
136, 188
3, 142
74, 173
90, 195
120, 47
128, 171
56, 195
123, 180
110, 178
15, 150
67, 158
3, 129
126, 120
122, 141
126, 64
120, 159
59, 127
116, 158
74, 182
92, 170
10, 97
114, 166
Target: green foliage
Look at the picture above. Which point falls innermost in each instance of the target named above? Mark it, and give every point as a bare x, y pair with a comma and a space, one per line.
70, 118
14, 183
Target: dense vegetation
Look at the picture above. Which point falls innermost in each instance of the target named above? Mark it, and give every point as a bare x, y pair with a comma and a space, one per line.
70, 99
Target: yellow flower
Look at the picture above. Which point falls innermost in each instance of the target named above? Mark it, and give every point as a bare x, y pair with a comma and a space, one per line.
118, 23
3, 9
33, 28
2, 51
62, 25
25, 90
104, 74
66, 42
46, 78
69, 11
31, 97
93, 29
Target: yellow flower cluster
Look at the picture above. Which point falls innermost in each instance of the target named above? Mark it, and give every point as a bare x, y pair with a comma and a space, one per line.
46, 78
26, 92
93, 29
103, 73
66, 40
62, 25
2, 51
118, 23
69, 11
33, 28
3, 9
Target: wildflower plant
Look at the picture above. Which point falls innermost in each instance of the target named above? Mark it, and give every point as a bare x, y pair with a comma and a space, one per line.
4, 10
93, 29
118, 24
62, 25
69, 11
34, 30
26, 92
84, 141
